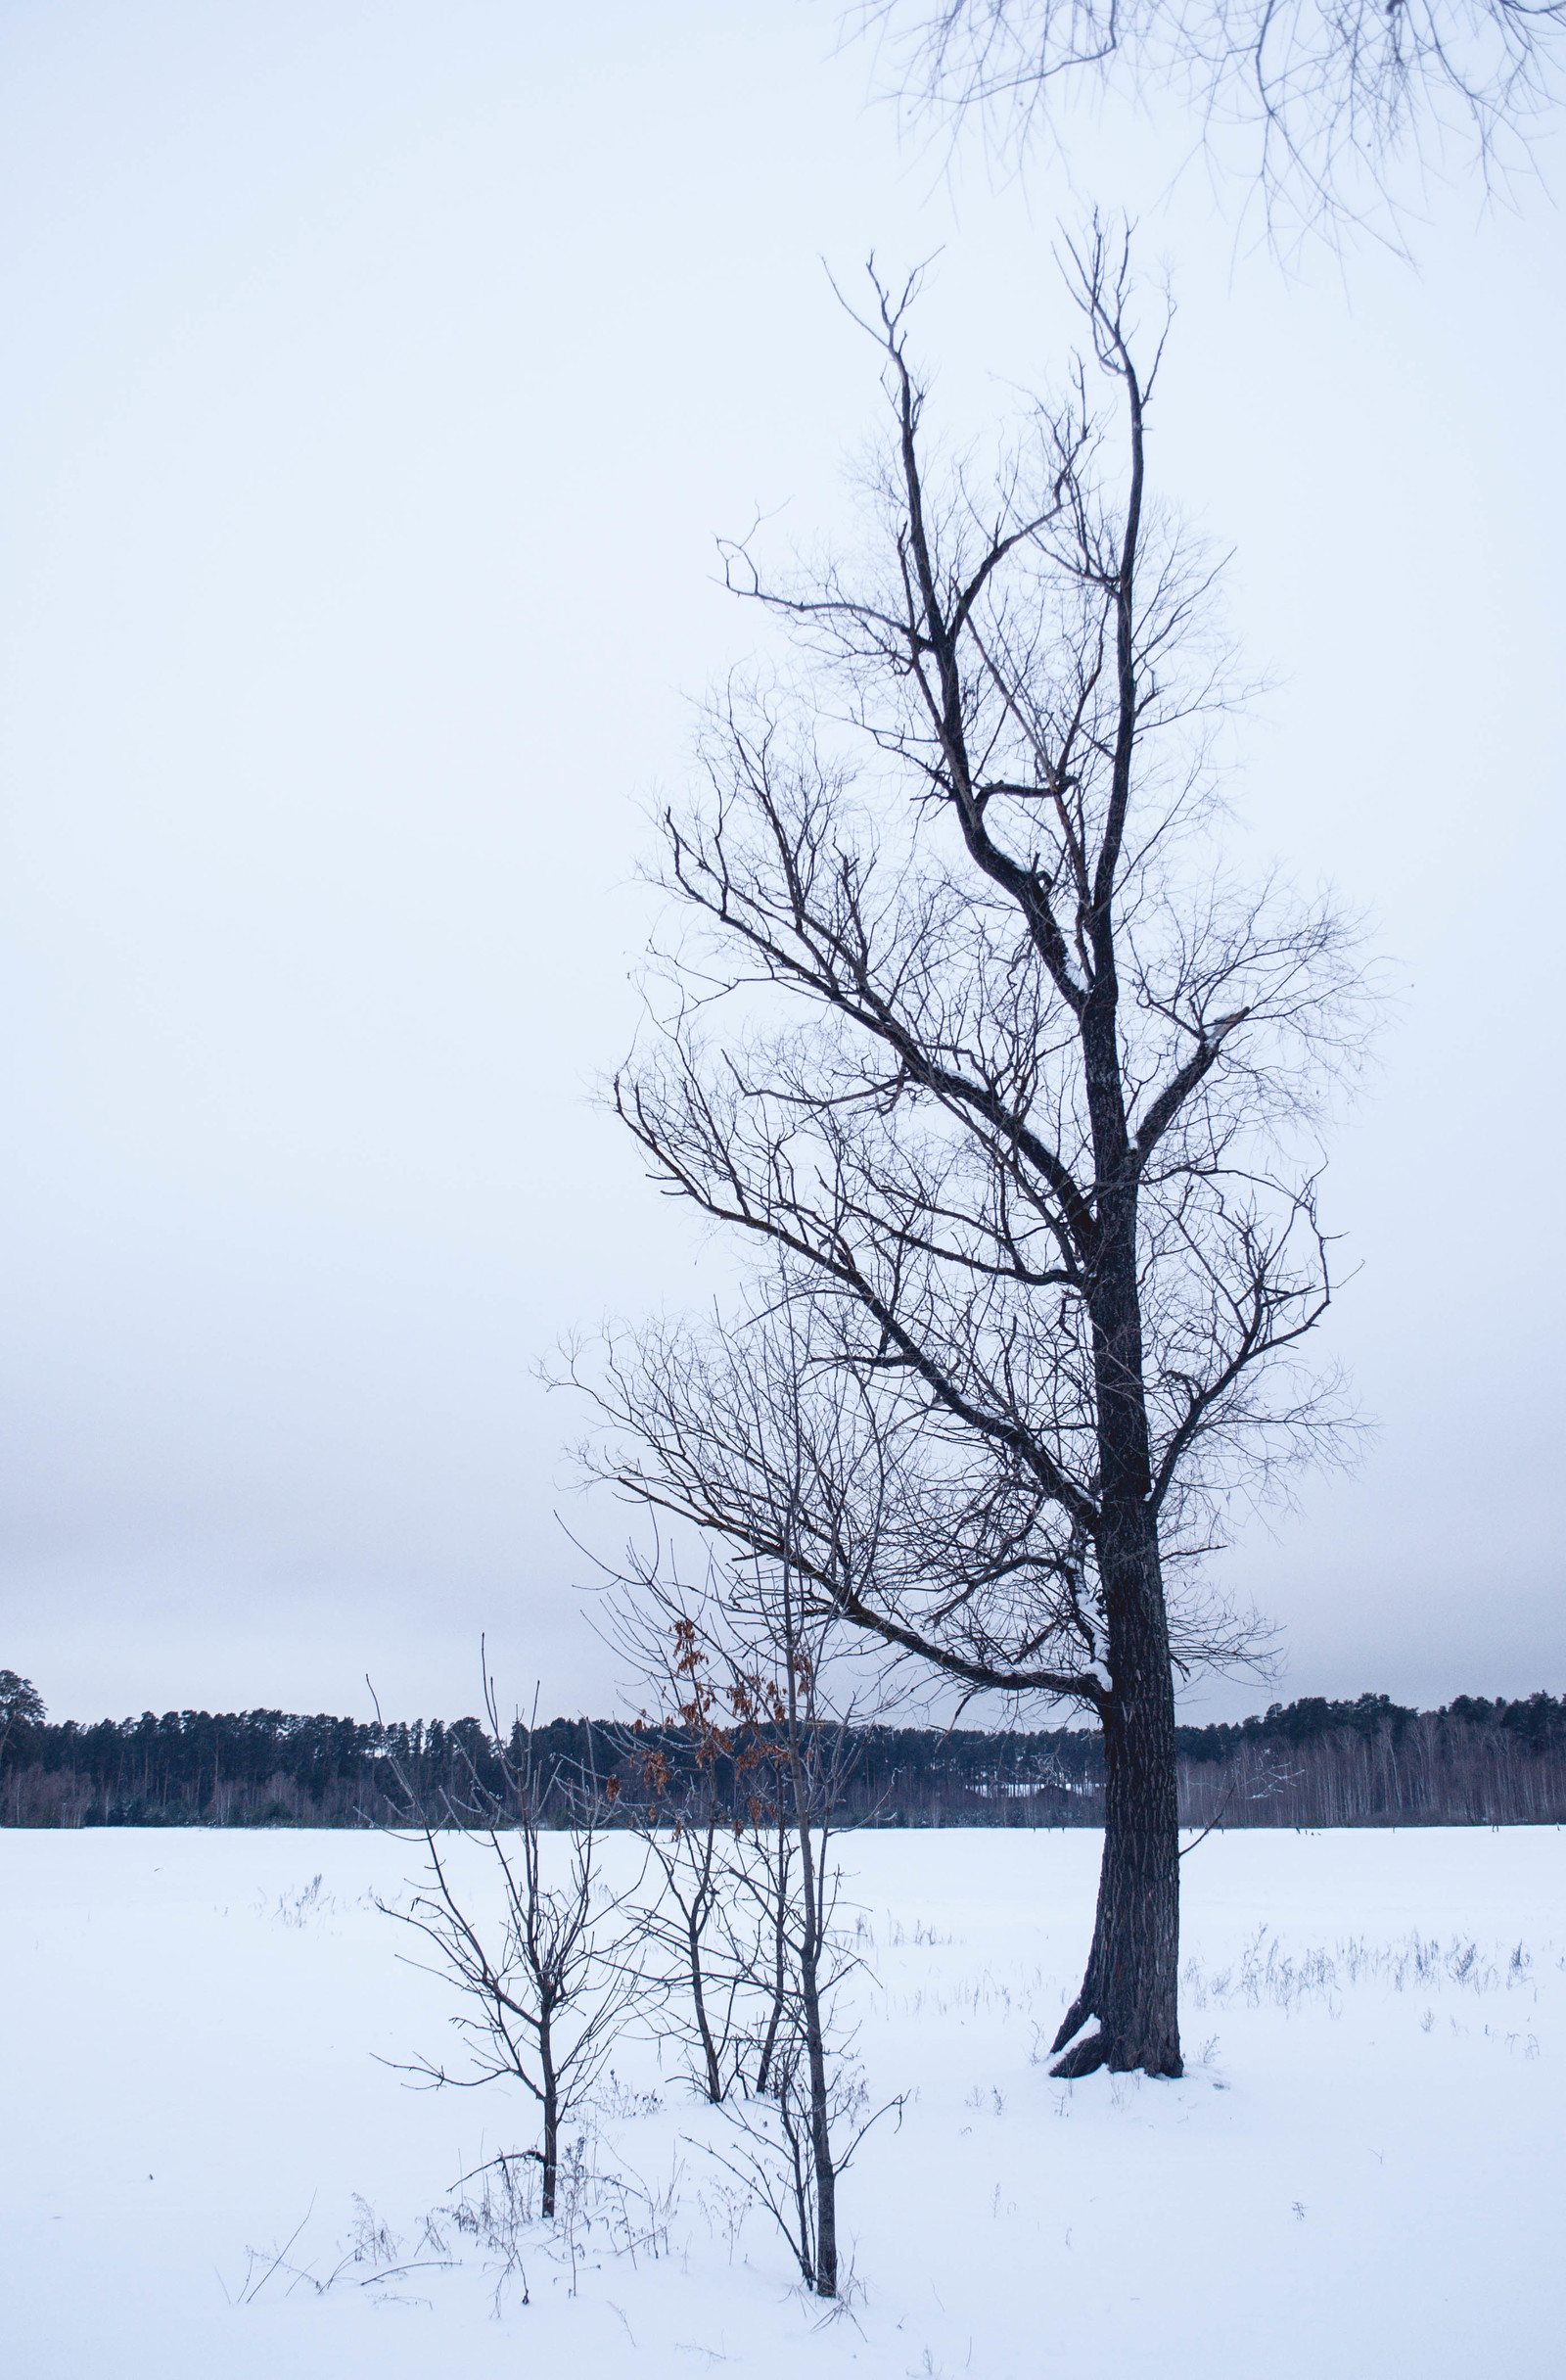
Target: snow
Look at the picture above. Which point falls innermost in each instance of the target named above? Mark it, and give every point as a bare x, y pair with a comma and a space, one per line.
1359, 2173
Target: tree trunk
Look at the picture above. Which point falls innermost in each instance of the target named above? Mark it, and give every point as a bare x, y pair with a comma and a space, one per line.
551, 2155
779, 1945
1132, 1982
704, 2029
826, 2181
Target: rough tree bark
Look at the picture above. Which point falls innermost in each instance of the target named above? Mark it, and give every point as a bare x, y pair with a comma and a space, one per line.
549, 2149
1131, 1980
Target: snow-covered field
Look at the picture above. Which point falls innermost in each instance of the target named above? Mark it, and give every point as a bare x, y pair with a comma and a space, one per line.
1361, 2172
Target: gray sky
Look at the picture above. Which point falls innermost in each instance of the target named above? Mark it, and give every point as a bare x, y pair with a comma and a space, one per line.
375, 379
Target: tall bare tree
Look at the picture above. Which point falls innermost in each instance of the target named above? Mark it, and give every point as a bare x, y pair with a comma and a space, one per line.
1323, 99
970, 1025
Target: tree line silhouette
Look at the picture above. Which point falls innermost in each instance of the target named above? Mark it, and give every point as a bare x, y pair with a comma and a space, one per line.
1306, 1763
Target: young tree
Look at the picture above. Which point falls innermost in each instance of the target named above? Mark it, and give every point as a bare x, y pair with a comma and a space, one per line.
804, 2074
546, 1985
1009, 1083
687, 1813
1333, 94
754, 1642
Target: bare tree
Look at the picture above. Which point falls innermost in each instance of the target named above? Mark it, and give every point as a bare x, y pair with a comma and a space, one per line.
548, 1983
808, 2114
1326, 96
970, 1027
754, 1642
688, 1816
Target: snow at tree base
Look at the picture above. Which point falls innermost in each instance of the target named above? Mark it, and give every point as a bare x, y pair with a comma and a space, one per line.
209, 2169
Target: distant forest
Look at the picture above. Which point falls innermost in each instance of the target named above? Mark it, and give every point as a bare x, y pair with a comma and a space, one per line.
1310, 1764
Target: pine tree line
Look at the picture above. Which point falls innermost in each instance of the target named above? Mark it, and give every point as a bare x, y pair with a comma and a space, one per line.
1308, 1763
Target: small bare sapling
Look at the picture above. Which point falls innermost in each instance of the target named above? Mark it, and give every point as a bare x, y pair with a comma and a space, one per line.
544, 1972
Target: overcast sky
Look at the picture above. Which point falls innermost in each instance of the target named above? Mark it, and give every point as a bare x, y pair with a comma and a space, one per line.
376, 380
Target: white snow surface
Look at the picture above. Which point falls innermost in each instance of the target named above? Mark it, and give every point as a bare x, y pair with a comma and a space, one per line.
1359, 2173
